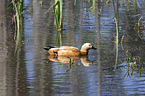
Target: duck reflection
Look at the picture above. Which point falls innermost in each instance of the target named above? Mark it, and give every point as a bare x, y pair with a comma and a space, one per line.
70, 59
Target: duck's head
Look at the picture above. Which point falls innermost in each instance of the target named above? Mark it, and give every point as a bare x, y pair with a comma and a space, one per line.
86, 47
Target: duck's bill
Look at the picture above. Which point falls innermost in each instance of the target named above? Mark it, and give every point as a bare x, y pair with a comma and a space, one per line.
94, 48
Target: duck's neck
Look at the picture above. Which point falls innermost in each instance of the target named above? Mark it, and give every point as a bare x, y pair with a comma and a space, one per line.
84, 52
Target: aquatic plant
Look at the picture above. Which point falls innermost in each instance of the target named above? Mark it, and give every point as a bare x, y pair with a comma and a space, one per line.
116, 12
57, 9
133, 63
17, 19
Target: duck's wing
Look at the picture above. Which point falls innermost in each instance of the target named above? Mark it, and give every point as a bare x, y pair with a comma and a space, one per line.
69, 51
63, 50
74, 49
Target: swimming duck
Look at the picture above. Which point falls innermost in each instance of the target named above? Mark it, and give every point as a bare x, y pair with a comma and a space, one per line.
69, 50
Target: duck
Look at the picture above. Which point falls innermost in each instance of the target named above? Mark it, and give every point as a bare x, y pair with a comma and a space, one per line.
70, 50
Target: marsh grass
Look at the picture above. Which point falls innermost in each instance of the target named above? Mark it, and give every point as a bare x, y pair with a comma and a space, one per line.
116, 12
57, 9
133, 63
17, 19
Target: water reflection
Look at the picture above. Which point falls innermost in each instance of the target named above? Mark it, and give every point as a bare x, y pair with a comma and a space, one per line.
65, 59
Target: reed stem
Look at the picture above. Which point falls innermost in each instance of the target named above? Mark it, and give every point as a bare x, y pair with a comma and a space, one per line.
57, 9
18, 5
116, 11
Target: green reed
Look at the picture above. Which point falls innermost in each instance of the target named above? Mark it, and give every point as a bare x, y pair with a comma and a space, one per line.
116, 12
57, 9
17, 18
93, 6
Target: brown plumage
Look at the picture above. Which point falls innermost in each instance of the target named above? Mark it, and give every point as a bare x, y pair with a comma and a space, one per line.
69, 50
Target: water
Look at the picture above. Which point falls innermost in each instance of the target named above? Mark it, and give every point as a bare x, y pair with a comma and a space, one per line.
31, 72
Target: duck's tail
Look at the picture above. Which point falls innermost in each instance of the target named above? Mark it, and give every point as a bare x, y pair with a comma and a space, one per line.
51, 50
47, 48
